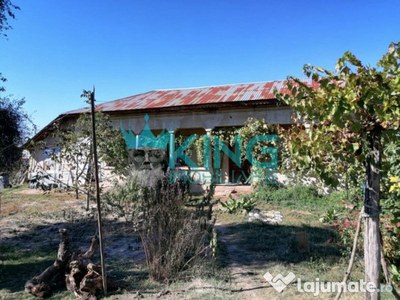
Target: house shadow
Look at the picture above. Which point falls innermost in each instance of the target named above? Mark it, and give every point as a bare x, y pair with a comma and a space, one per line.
255, 244
28, 253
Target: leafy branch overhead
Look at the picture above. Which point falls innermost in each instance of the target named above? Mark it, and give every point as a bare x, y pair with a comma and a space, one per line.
340, 109
6, 12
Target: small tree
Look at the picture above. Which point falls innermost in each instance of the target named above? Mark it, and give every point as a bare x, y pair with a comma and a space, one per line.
76, 147
344, 120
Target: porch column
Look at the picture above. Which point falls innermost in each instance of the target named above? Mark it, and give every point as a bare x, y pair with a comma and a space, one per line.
207, 149
172, 149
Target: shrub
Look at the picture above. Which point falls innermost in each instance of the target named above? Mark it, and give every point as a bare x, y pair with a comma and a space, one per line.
124, 199
346, 226
172, 236
243, 204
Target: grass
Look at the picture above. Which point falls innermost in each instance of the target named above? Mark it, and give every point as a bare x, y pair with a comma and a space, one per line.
300, 244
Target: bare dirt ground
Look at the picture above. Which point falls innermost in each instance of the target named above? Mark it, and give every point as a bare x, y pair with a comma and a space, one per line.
30, 220
246, 282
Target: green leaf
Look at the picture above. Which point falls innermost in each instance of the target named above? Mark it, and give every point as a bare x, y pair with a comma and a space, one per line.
355, 127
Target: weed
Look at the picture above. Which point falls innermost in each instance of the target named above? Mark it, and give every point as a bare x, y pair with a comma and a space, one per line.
395, 270
243, 204
330, 216
317, 264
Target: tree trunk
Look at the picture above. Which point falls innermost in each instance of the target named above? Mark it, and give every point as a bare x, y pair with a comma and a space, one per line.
54, 276
76, 272
84, 279
372, 245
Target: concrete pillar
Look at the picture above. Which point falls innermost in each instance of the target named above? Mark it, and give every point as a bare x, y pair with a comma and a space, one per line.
207, 156
171, 149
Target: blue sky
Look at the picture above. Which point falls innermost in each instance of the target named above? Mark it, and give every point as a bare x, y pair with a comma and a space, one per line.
127, 47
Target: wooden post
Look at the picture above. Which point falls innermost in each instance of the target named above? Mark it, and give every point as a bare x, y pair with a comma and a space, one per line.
96, 176
372, 244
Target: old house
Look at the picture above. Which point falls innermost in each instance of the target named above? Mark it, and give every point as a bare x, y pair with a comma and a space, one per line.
184, 112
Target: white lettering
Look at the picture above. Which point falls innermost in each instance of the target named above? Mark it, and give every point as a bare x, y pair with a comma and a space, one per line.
299, 285
352, 287
370, 287
309, 286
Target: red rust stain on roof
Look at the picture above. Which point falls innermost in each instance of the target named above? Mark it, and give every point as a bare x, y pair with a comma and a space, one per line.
195, 96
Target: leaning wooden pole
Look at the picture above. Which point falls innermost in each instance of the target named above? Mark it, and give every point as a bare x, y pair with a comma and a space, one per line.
352, 257
96, 176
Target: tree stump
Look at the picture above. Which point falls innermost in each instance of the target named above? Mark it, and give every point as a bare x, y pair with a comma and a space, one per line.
84, 278
54, 276
76, 272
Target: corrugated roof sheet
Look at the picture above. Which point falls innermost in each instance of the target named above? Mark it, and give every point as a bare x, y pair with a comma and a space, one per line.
194, 96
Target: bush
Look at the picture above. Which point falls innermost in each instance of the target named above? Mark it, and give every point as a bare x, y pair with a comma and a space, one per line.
125, 199
346, 226
172, 236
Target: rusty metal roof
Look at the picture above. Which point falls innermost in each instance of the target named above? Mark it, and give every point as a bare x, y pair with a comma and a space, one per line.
258, 93
159, 99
